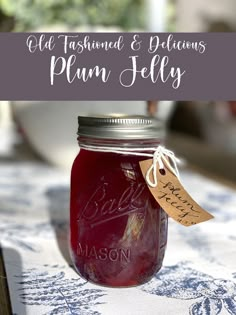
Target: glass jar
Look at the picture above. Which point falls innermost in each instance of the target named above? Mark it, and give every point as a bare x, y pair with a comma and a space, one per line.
118, 232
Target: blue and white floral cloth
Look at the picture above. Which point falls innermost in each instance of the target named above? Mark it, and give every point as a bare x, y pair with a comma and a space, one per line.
198, 276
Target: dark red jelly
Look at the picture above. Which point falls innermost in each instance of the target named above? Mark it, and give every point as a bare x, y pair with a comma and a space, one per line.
118, 231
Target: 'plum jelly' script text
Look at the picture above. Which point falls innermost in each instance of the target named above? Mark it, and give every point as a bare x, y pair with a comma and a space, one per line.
122, 60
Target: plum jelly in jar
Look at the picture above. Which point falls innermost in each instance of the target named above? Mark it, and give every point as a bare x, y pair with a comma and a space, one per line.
118, 232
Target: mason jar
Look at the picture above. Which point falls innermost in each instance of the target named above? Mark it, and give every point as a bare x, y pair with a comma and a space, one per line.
118, 231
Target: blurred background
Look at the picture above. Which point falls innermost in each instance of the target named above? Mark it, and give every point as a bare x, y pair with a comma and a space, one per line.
203, 133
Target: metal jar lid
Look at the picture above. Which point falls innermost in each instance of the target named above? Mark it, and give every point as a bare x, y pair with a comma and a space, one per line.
121, 127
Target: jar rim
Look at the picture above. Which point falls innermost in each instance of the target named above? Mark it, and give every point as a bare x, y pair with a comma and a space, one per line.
121, 127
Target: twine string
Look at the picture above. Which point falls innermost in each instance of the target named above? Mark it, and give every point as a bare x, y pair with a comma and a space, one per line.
161, 157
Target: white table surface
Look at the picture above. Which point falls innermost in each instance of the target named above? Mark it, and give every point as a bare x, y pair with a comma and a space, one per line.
198, 276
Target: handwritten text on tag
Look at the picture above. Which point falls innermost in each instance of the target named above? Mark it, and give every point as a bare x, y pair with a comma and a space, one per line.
173, 198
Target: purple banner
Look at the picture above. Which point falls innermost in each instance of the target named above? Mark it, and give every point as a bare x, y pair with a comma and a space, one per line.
117, 66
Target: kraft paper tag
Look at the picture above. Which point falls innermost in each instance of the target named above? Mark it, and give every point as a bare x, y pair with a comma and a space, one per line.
173, 198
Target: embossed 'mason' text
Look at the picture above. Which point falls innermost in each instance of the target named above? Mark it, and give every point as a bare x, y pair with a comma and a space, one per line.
104, 253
